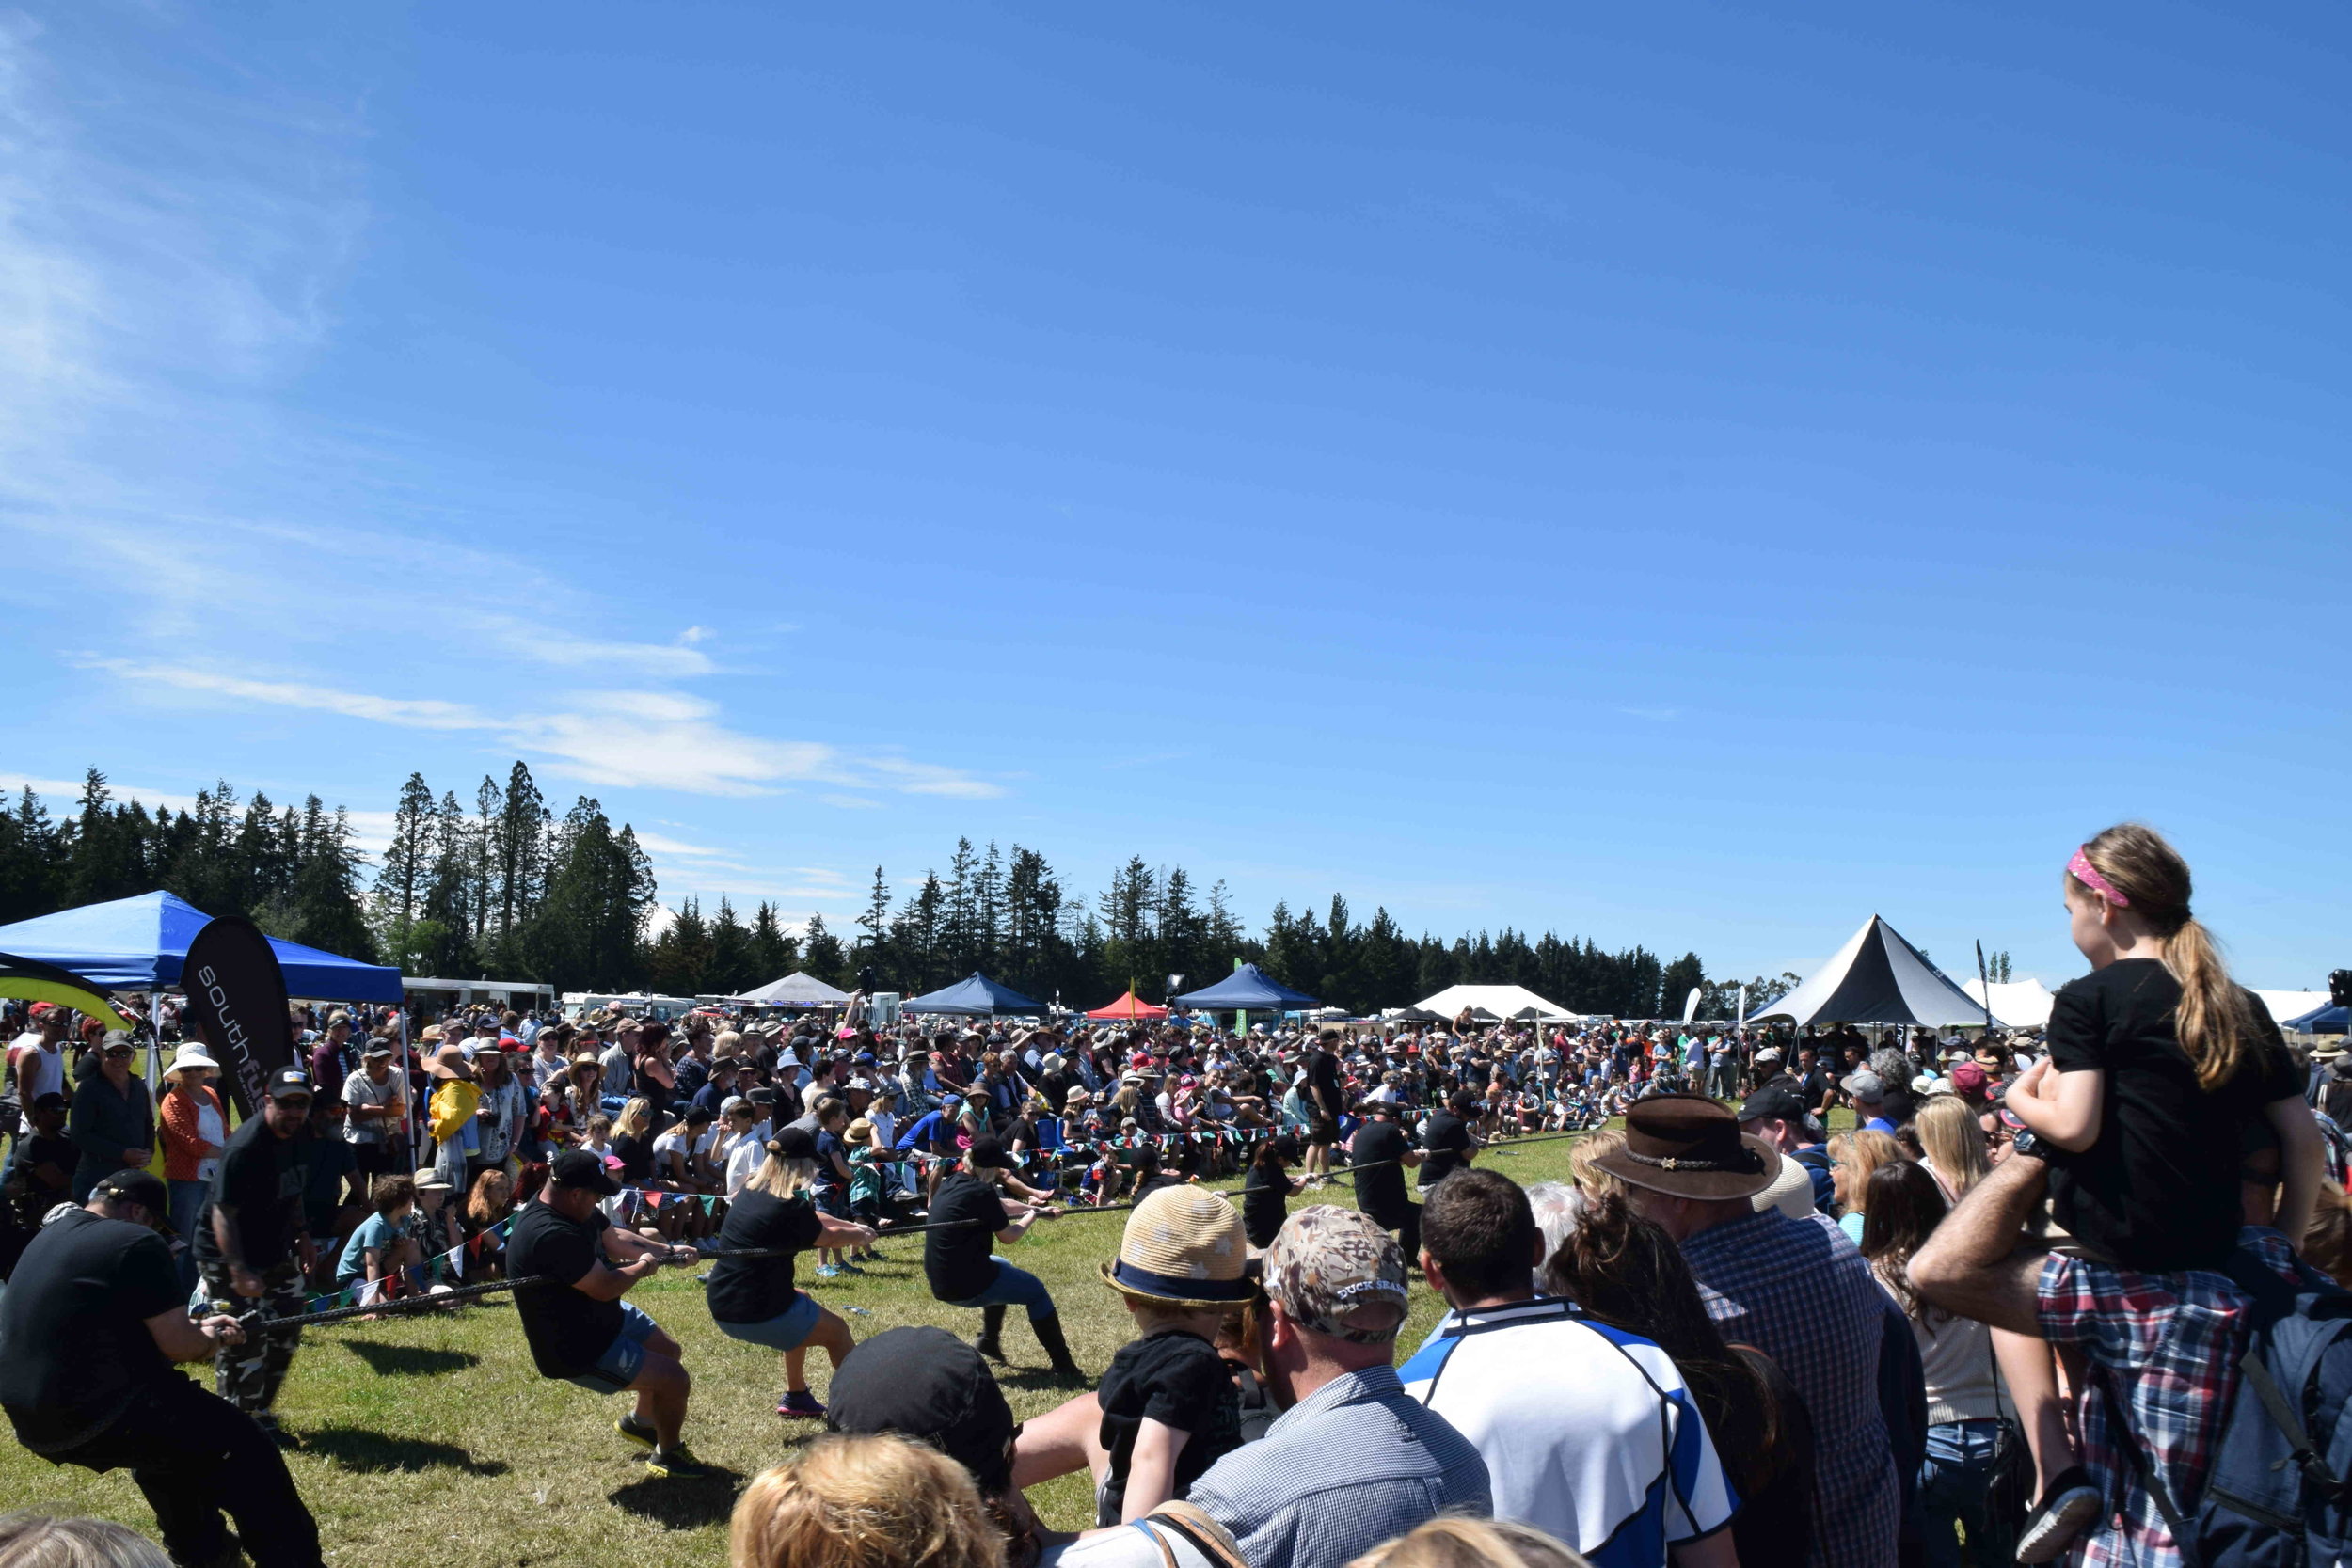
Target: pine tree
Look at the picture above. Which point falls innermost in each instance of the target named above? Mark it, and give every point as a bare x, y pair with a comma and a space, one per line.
32, 860
873, 948
408, 863
731, 969
825, 959
774, 953
519, 851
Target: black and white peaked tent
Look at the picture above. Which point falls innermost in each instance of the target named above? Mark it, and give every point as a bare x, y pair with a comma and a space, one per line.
1877, 977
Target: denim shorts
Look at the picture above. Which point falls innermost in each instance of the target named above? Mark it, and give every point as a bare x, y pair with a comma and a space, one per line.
788, 1330
623, 1359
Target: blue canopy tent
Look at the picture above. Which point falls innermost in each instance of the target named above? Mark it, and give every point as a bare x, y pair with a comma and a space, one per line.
137, 944
1248, 989
2321, 1021
974, 996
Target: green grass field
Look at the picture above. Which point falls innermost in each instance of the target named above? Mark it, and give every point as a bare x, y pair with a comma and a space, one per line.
430, 1439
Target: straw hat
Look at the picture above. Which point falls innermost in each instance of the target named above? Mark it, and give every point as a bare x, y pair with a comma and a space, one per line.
1182, 1247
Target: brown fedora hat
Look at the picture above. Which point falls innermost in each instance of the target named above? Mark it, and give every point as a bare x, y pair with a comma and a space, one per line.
1690, 1146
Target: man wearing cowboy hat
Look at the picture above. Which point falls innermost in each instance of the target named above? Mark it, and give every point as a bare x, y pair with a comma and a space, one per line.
1795, 1288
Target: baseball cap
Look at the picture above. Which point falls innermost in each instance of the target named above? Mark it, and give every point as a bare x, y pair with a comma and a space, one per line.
1772, 1103
288, 1080
793, 1143
144, 1188
380, 1048
578, 1167
989, 1154
925, 1383
1327, 1261
1865, 1086
52, 1100
1967, 1077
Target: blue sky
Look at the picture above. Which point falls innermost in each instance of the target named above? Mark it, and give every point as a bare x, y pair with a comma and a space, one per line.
1679, 475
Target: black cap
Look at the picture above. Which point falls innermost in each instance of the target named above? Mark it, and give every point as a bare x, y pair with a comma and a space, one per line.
1773, 1102
926, 1383
289, 1080
143, 1188
793, 1143
52, 1100
989, 1154
581, 1169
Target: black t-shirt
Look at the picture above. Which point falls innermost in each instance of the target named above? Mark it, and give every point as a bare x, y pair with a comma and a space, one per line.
332, 1163
636, 1157
1380, 1190
1448, 1141
1323, 1083
2159, 1190
261, 1181
1178, 1380
752, 1290
1265, 1204
568, 1331
956, 1260
75, 1348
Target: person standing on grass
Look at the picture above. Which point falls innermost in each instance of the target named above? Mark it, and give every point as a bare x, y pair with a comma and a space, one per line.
1379, 1154
968, 1216
93, 1318
1324, 1098
253, 1241
112, 1119
578, 1326
754, 1299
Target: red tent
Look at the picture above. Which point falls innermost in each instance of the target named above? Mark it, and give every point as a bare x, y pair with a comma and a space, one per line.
1129, 1007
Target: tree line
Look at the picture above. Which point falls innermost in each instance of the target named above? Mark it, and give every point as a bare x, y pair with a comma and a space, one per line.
503, 886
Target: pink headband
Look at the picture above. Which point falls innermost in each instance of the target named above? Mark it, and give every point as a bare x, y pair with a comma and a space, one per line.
2084, 872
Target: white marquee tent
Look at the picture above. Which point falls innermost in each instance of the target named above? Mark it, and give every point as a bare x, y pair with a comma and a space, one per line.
2284, 1004
1497, 1002
796, 989
2016, 1004
1878, 977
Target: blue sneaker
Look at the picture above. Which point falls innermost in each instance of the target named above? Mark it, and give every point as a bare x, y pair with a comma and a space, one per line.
826, 1271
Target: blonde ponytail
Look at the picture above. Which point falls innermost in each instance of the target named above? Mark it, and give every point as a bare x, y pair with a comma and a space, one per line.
2213, 1023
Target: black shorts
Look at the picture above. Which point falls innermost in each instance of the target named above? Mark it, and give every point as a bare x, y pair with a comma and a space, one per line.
384, 1159
1322, 1129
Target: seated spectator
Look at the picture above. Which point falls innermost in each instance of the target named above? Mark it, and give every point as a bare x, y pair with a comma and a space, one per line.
38, 1540
864, 1502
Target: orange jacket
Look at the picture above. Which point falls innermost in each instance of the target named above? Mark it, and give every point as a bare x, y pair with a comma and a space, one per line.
182, 1147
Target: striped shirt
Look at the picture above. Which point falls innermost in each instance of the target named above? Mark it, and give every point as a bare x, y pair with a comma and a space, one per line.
1588, 1431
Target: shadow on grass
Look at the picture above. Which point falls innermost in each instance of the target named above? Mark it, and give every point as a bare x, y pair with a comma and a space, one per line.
1036, 1378
365, 1452
411, 1360
680, 1505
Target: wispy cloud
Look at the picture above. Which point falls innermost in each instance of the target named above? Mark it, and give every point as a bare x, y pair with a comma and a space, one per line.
153, 313
1654, 715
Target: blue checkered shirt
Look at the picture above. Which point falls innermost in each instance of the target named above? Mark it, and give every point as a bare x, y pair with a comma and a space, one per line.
1798, 1291
1356, 1463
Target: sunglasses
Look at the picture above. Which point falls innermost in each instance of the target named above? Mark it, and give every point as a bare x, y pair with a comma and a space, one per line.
293, 1102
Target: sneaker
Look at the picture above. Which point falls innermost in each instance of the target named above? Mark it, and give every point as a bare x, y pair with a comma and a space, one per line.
2063, 1513
828, 1271
676, 1465
800, 1402
852, 1268
636, 1431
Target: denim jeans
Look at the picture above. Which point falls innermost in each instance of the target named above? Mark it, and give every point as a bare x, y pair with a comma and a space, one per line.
1014, 1287
187, 1202
1951, 1493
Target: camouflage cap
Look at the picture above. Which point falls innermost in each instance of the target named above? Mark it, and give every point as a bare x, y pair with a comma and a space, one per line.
1327, 1261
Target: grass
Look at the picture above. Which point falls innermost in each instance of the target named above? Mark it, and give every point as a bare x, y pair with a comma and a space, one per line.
430, 1438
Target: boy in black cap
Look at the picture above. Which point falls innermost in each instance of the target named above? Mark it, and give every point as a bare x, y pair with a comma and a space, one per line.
579, 1328
967, 1216
253, 1242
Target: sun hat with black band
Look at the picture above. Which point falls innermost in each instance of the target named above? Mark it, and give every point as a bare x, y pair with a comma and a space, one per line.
1689, 1145
1182, 1247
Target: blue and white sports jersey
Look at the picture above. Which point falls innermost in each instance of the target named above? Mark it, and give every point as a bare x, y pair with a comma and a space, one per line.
1588, 1432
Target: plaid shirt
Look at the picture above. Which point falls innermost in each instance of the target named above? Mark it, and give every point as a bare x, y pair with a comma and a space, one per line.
2167, 1345
1353, 1463
1798, 1291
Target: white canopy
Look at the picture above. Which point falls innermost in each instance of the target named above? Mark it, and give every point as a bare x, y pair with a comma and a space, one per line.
796, 989
2016, 1004
1877, 977
2284, 1004
1497, 1002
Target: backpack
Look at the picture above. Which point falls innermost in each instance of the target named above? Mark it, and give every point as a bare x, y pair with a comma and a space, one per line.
2279, 1494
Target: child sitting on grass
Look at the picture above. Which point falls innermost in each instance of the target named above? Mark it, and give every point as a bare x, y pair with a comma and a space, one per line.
1169, 1407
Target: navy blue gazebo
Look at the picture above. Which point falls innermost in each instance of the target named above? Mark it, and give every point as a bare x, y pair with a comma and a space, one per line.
2321, 1021
137, 944
1248, 989
974, 996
